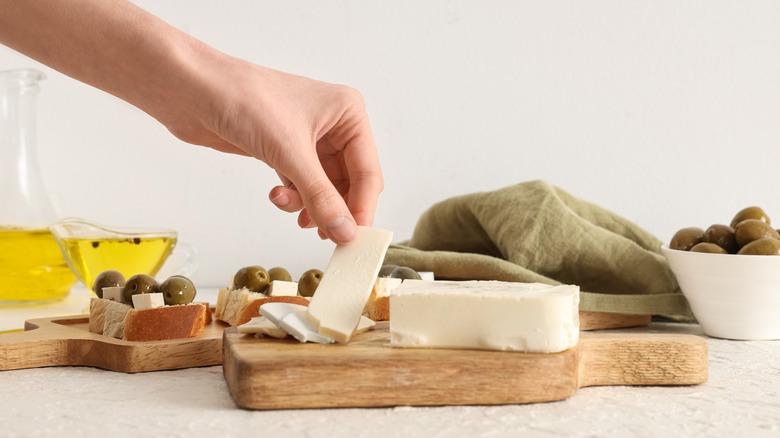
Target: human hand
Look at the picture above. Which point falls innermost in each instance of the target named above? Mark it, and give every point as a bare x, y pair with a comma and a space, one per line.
315, 135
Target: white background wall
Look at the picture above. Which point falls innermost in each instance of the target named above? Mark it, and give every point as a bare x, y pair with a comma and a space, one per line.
665, 112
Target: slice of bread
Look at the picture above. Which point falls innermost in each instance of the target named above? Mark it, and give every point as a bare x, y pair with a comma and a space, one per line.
97, 314
378, 305
114, 319
118, 320
253, 309
236, 307
230, 303
168, 322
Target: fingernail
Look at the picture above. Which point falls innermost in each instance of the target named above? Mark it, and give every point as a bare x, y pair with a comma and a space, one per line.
342, 230
281, 200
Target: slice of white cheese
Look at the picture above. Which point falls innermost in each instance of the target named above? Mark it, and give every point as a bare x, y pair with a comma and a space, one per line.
485, 315
347, 282
291, 318
260, 325
301, 329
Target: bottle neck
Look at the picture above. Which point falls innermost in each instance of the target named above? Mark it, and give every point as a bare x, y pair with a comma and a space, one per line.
23, 198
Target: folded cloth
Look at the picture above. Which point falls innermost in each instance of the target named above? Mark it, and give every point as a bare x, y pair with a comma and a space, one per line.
535, 232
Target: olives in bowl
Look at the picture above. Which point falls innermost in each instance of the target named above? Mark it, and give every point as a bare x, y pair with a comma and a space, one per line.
732, 293
748, 225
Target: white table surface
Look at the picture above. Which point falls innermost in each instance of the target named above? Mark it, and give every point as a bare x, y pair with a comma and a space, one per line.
741, 398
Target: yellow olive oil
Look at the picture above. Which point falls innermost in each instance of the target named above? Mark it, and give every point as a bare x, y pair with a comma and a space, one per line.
32, 268
130, 256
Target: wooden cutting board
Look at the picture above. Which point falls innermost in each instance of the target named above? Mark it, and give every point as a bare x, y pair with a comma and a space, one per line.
67, 340
285, 374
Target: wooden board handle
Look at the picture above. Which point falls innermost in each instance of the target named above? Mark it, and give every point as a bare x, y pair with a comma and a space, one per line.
603, 320
35, 347
642, 359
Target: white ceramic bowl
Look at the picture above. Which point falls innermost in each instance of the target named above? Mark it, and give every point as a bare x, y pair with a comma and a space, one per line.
732, 296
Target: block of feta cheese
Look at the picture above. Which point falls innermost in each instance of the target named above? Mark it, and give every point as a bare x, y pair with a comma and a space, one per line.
346, 284
485, 315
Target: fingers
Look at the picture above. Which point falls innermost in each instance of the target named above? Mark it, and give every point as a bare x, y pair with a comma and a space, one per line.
323, 204
365, 177
286, 199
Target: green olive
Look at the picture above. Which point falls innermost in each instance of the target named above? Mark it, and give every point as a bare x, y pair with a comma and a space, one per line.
686, 238
280, 274
140, 284
107, 279
178, 290
386, 270
753, 229
254, 278
764, 246
723, 236
750, 213
308, 283
405, 273
708, 248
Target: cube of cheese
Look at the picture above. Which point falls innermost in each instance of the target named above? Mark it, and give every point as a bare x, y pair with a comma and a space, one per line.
114, 294
279, 288
485, 315
148, 301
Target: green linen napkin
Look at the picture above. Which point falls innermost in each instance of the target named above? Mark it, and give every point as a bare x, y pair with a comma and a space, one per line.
535, 232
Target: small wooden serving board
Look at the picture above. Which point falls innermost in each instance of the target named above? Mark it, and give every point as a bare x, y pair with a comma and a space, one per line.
285, 374
67, 341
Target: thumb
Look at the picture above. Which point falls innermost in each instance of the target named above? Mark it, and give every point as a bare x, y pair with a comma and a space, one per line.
323, 203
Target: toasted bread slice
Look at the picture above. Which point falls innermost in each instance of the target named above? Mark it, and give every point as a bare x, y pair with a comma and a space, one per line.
236, 307
378, 305
253, 309
168, 322
121, 321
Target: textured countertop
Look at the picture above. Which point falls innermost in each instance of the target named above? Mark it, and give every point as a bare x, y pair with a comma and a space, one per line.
741, 397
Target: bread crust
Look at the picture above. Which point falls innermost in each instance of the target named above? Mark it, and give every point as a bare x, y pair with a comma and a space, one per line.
378, 307
253, 308
121, 321
236, 307
168, 322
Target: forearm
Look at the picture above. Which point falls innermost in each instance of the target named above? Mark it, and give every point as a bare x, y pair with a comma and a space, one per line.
112, 45
315, 135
